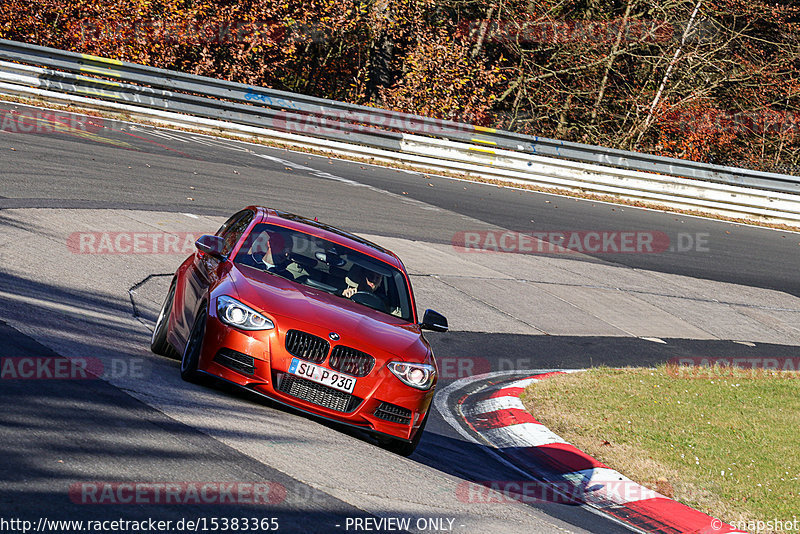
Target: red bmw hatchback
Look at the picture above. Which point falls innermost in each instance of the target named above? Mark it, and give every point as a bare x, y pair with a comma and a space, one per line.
307, 315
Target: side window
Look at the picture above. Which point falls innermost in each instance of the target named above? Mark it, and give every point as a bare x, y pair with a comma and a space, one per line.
233, 228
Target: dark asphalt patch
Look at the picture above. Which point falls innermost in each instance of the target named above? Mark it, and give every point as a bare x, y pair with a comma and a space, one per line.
58, 434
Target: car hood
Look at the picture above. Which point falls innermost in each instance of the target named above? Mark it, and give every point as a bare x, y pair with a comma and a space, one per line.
358, 326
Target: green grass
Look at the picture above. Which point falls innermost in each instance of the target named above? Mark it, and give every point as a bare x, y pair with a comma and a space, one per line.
724, 441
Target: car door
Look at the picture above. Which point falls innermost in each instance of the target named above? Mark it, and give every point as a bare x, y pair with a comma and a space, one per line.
204, 271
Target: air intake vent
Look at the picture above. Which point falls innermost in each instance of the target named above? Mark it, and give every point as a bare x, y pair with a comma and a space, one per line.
307, 346
393, 413
237, 361
351, 361
317, 393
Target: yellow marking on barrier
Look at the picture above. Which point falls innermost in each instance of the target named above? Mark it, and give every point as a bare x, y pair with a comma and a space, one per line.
478, 149
96, 80
99, 59
484, 141
98, 92
484, 129
102, 71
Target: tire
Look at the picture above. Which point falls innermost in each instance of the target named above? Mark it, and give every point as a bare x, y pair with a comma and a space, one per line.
159, 343
194, 345
402, 447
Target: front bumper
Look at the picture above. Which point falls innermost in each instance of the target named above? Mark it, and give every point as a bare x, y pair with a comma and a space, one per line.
259, 361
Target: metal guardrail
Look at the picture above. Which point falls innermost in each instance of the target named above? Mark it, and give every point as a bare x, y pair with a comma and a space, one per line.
66, 72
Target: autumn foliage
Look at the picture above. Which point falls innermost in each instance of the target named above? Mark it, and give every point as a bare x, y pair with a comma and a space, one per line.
709, 80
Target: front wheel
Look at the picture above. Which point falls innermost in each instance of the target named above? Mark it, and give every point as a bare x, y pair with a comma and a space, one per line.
402, 447
191, 353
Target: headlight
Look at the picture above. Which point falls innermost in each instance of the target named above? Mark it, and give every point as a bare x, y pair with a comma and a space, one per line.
416, 375
232, 312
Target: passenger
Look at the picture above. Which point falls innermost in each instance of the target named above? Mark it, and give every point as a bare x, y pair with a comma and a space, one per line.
277, 258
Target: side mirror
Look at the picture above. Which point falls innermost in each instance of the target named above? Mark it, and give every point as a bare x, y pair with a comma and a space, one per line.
434, 321
211, 244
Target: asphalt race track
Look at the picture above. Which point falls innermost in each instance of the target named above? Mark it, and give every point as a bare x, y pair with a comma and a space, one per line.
718, 290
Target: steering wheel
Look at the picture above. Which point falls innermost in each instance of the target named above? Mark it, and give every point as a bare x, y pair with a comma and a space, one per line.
369, 299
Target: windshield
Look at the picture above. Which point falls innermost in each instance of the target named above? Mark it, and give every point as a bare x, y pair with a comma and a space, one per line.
327, 266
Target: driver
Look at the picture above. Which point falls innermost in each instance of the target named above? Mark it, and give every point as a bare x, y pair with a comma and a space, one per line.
368, 282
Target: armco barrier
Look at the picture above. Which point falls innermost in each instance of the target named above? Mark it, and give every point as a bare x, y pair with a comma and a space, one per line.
195, 101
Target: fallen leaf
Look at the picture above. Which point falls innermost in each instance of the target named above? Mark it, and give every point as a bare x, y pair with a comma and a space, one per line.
664, 487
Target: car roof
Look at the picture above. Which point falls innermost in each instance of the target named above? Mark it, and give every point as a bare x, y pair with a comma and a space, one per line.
328, 232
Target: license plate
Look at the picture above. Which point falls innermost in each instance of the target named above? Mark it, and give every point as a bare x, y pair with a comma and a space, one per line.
322, 375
